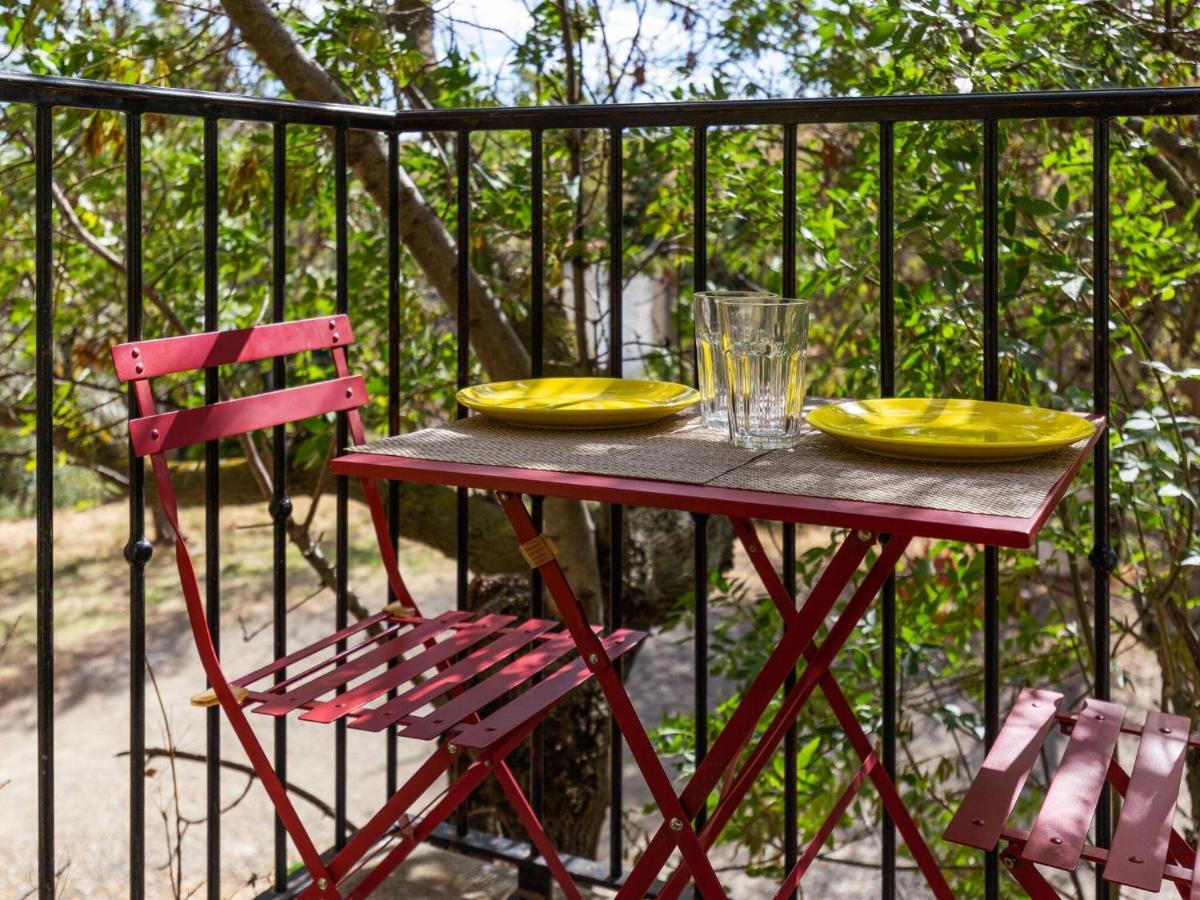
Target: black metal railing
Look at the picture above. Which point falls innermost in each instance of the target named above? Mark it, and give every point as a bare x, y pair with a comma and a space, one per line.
134, 102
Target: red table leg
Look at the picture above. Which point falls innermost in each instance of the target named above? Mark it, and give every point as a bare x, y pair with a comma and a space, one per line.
796, 639
838, 703
819, 661
813, 847
796, 642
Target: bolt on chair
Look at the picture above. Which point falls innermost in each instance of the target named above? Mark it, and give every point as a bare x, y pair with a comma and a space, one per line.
444, 669
1146, 850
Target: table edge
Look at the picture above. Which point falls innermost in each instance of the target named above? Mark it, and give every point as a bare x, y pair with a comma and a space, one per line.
912, 521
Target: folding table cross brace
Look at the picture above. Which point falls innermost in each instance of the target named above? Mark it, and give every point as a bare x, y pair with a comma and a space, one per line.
801, 626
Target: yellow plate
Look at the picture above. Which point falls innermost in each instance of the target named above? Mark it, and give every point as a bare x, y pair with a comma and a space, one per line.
578, 402
923, 428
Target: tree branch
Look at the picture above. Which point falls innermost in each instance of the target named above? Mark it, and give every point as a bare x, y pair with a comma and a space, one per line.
242, 769
1165, 170
1182, 151
492, 337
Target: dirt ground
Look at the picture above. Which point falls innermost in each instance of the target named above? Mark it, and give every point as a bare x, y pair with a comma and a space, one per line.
92, 719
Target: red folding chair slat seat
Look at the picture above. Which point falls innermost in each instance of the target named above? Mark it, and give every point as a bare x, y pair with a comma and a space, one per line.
536, 644
1146, 850
445, 669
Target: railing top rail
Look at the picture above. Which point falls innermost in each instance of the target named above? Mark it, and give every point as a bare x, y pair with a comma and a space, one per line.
816, 110
1104, 102
85, 94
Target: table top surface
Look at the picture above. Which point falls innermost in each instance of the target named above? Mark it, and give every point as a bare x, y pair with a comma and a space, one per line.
679, 464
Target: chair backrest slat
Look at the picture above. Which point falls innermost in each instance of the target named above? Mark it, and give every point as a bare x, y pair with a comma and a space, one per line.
172, 430
166, 356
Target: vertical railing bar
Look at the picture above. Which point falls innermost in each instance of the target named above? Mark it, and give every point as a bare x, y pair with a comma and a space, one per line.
791, 812
1102, 557
212, 507
462, 160
790, 137
44, 487
616, 250
137, 550
887, 388
393, 395
537, 240
991, 260
791, 808
281, 504
616, 574
463, 323
700, 226
342, 612
537, 340
700, 523
700, 642
991, 391
887, 250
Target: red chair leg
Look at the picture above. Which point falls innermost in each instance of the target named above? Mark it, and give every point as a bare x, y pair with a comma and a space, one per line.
324, 883
537, 834
396, 807
488, 761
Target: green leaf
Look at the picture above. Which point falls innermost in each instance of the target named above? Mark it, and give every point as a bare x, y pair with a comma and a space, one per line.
1034, 206
879, 33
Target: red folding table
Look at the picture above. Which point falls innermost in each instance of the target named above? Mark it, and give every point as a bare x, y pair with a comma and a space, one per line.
678, 465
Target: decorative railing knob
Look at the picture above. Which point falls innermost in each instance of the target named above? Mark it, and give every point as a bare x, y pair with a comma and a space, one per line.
138, 552
281, 508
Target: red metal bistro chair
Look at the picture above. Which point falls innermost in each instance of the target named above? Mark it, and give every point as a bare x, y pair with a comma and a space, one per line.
445, 668
1145, 851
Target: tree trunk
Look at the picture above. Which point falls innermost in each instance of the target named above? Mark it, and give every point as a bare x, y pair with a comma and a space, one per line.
492, 337
495, 342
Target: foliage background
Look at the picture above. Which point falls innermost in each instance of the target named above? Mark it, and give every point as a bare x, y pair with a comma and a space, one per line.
414, 55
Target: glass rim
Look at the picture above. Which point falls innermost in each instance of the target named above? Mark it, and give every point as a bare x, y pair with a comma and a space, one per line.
735, 295
773, 300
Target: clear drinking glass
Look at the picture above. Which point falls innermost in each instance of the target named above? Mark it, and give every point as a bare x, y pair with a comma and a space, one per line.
710, 370
764, 342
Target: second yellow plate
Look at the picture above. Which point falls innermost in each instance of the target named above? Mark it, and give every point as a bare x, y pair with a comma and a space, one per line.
924, 428
578, 402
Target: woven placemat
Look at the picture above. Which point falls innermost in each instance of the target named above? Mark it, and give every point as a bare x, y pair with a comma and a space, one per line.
821, 466
680, 449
